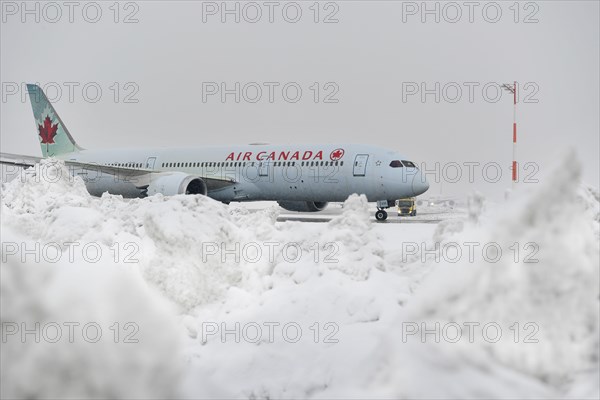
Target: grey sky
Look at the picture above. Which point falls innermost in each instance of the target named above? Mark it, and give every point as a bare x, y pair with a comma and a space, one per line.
370, 54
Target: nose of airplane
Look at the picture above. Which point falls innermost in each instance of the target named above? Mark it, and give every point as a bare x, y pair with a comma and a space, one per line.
419, 184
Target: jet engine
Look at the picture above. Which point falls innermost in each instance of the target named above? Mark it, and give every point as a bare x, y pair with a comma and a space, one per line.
303, 206
173, 183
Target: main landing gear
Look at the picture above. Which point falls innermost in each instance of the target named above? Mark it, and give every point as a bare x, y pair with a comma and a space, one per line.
381, 215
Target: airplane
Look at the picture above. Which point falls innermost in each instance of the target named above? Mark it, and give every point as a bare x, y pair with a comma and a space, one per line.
298, 177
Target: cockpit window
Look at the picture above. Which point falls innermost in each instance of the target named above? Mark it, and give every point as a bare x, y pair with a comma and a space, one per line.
409, 164
396, 164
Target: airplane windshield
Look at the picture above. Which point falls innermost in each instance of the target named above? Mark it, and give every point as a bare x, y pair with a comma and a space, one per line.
409, 164
396, 164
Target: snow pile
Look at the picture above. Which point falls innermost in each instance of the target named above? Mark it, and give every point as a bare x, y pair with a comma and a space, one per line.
542, 293
79, 331
315, 326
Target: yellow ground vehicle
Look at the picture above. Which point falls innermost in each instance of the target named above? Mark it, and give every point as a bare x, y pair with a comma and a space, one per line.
406, 207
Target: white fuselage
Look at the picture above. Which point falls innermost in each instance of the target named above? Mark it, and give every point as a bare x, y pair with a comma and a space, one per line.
279, 172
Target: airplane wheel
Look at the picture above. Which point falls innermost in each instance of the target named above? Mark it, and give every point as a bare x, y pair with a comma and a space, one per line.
381, 215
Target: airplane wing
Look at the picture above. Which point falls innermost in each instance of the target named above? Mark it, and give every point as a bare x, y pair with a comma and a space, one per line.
140, 176
18, 160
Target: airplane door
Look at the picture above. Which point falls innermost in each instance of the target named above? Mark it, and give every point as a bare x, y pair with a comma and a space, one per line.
360, 164
150, 162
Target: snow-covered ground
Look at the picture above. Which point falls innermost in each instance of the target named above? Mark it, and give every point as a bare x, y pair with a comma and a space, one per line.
187, 297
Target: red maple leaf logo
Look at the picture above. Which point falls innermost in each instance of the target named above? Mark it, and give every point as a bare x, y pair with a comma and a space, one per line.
48, 131
336, 154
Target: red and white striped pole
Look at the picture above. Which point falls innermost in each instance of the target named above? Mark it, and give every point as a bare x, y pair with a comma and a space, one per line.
513, 89
514, 162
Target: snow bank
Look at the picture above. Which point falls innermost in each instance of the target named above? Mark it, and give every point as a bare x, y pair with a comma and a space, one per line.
77, 324
545, 300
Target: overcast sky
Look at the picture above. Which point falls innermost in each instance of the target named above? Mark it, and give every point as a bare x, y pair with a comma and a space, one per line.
368, 61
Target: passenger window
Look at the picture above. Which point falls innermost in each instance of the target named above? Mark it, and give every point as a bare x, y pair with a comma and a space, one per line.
396, 164
409, 164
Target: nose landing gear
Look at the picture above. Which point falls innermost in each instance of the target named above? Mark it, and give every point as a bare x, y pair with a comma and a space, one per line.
381, 215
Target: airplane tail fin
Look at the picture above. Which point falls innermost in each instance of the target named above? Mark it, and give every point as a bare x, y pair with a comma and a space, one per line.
54, 136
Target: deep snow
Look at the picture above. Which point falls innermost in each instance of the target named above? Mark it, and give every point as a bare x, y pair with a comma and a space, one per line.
324, 310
